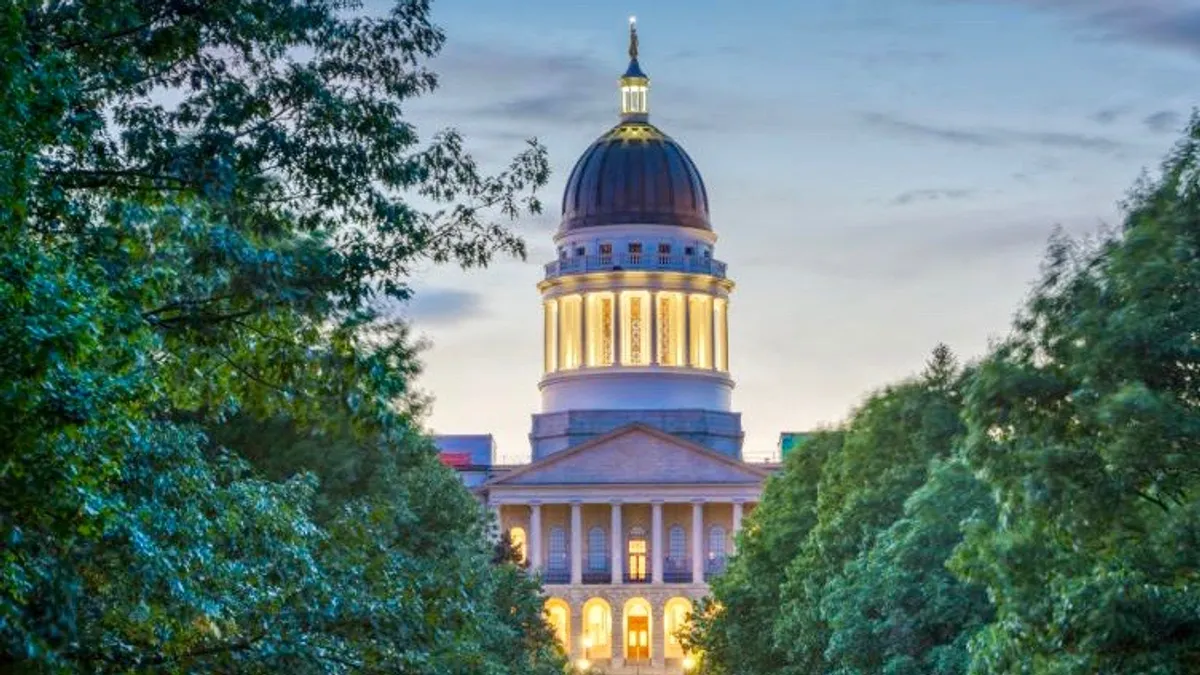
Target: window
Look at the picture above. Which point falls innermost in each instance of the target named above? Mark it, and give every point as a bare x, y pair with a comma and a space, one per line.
635, 252
562, 252
517, 537
599, 624
579, 250
558, 616
689, 250
597, 550
671, 334
635, 568
664, 254
605, 254
716, 543
558, 550
676, 543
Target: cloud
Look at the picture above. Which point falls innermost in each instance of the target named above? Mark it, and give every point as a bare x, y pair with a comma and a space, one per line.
444, 306
994, 137
943, 194
1108, 115
1160, 23
1163, 121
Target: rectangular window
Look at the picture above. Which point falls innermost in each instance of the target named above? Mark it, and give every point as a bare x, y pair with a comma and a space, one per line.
600, 329
605, 254
635, 253
635, 333
671, 333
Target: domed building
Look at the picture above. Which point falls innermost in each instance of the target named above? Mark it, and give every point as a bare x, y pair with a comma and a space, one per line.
636, 486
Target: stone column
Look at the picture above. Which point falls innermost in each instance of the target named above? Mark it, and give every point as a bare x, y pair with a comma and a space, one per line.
616, 641
576, 634
576, 543
697, 542
658, 637
535, 536
615, 535
656, 541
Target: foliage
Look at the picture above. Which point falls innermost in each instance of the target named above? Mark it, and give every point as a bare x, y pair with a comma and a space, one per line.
1086, 423
806, 590
211, 456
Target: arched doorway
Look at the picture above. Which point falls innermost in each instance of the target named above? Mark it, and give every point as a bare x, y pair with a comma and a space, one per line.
558, 615
676, 615
637, 630
597, 630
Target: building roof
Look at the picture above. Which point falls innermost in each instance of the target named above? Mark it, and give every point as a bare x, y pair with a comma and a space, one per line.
635, 174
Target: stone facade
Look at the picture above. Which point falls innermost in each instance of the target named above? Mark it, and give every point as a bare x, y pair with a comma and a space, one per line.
714, 429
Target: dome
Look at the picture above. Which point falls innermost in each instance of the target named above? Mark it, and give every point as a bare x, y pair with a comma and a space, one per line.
634, 174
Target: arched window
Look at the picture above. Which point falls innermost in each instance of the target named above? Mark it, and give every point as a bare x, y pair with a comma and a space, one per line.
716, 543
558, 615
597, 629
558, 549
676, 614
597, 550
516, 536
635, 568
676, 543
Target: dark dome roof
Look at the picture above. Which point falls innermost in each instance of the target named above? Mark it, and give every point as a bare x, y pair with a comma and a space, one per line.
634, 173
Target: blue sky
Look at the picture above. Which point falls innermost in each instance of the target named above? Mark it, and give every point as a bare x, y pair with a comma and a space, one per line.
883, 174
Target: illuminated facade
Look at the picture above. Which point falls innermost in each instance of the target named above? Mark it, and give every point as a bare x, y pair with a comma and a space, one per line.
636, 486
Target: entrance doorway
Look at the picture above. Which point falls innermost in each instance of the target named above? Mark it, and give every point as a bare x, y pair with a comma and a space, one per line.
637, 642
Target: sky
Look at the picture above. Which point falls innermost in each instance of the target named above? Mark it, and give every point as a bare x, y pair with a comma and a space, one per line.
883, 175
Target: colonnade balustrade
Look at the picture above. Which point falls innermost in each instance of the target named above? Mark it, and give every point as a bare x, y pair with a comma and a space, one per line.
688, 548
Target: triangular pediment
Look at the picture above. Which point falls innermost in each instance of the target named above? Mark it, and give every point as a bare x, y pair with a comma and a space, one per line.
635, 454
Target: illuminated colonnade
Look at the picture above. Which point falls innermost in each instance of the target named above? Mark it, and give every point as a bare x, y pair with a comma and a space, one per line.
636, 328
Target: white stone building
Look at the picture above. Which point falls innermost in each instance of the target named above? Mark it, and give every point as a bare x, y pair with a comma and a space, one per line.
637, 484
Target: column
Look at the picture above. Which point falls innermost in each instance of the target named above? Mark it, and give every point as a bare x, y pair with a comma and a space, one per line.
686, 333
658, 636
535, 536
583, 336
656, 542
653, 328
576, 633
576, 543
737, 521
697, 542
616, 544
616, 328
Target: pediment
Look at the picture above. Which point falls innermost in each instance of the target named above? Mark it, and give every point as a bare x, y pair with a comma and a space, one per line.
635, 454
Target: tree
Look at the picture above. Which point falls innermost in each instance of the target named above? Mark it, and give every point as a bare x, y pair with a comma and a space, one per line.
204, 203
1086, 423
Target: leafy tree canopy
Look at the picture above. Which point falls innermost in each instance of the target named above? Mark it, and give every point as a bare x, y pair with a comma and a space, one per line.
211, 458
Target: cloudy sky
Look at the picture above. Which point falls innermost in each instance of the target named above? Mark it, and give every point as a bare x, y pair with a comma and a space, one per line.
883, 174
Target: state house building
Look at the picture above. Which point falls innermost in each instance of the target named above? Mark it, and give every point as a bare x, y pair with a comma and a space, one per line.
636, 484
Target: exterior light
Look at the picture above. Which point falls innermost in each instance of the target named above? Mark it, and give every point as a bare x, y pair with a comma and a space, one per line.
689, 662
583, 664
632, 19
587, 642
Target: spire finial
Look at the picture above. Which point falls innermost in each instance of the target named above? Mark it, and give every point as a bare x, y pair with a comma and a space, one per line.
633, 40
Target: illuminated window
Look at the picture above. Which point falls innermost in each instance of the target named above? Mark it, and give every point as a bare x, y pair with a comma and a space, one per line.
598, 627
605, 254
671, 335
636, 567
635, 334
516, 536
676, 614
558, 615
600, 329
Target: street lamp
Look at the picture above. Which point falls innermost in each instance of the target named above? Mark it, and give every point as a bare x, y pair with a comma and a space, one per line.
583, 665
688, 663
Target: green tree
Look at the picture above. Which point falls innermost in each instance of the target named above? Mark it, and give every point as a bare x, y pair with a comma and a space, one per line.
203, 203
1086, 423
